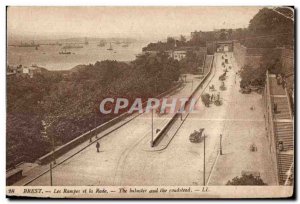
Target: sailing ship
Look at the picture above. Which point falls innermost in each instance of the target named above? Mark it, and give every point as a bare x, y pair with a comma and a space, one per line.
110, 47
29, 45
86, 42
64, 52
102, 43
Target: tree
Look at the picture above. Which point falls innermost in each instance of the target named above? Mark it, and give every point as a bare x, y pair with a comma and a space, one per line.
182, 39
223, 35
267, 22
68, 102
191, 62
170, 41
256, 76
205, 99
246, 180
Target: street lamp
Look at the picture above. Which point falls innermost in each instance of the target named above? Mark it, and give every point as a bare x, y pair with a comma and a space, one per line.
204, 183
53, 162
152, 127
152, 124
220, 144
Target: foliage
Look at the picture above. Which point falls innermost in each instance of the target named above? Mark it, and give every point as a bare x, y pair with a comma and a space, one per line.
252, 76
256, 76
205, 99
277, 29
68, 101
192, 62
247, 180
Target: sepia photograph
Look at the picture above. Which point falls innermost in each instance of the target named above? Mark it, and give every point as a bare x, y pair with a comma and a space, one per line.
150, 101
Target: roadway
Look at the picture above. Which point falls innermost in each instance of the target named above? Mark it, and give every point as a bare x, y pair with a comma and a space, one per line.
123, 159
91, 168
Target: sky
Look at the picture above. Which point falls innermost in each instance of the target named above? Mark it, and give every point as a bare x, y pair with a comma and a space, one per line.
135, 22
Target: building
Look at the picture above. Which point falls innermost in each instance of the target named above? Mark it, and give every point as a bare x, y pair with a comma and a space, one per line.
178, 53
22, 70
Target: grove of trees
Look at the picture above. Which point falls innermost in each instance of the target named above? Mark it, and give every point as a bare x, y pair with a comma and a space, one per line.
67, 103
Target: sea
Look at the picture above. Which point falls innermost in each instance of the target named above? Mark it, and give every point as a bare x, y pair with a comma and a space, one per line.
47, 56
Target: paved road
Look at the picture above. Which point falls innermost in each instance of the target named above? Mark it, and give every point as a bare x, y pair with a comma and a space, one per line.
124, 161
104, 168
242, 128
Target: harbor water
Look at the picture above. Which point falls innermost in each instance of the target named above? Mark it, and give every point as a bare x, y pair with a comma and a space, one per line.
48, 56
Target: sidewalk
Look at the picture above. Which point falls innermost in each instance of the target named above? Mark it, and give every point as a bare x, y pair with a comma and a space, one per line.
244, 128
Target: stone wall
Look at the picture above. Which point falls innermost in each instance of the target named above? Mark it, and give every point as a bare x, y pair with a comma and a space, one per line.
247, 56
269, 125
253, 56
239, 52
287, 60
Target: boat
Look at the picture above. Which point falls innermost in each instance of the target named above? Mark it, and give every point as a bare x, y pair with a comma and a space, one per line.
29, 45
102, 43
125, 45
64, 52
110, 47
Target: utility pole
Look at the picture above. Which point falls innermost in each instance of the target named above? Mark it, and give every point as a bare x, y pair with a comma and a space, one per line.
220, 144
204, 183
152, 128
51, 181
53, 149
53, 160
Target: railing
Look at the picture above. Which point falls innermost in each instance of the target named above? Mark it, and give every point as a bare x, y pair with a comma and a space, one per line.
273, 135
289, 175
289, 103
176, 115
86, 136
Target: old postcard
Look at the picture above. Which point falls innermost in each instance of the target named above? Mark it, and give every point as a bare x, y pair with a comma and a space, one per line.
150, 102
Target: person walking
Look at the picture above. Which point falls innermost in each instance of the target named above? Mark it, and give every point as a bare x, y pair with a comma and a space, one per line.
98, 146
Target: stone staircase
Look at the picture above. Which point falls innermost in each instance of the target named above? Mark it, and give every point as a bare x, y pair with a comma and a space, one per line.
275, 89
283, 111
284, 133
283, 129
285, 161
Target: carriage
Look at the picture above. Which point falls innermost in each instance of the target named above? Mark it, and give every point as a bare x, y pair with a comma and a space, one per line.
222, 77
196, 136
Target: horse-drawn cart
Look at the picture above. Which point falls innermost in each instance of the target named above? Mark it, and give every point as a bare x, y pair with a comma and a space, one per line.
197, 136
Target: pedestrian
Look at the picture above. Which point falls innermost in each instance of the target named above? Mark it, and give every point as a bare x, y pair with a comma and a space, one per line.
283, 83
98, 146
275, 107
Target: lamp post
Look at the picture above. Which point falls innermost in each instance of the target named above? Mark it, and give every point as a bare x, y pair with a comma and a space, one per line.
51, 181
152, 127
204, 183
53, 162
220, 144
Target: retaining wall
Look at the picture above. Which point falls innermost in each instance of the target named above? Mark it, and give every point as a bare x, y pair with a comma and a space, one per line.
159, 135
86, 136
